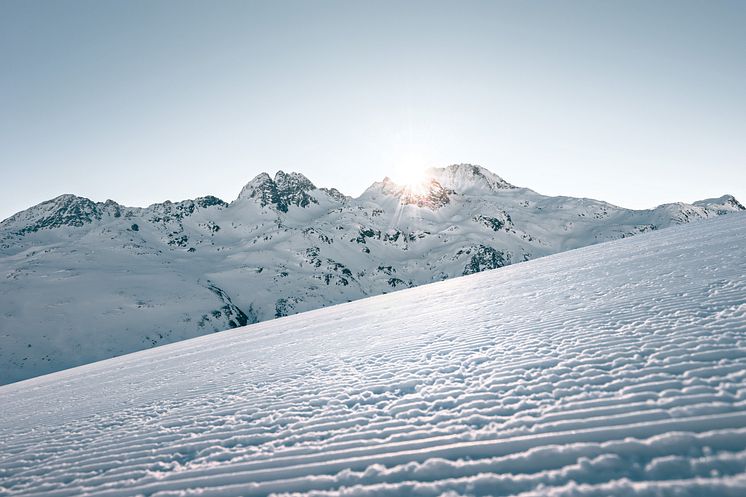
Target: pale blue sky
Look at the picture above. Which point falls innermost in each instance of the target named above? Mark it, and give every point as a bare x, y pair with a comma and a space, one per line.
637, 103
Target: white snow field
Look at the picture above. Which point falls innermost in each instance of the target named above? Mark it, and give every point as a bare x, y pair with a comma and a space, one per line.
615, 369
82, 281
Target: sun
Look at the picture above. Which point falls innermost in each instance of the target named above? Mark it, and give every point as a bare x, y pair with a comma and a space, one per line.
410, 171
410, 176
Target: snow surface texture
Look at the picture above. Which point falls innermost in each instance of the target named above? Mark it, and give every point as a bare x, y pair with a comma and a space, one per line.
616, 369
85, 281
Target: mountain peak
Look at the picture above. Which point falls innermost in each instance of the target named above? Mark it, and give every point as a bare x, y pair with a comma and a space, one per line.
464, 178
297, 180
259, 179
726, 203
439, 183
63, 210
429, 193
284, 190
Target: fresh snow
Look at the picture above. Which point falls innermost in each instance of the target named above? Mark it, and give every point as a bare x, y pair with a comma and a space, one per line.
615, 369
84, 281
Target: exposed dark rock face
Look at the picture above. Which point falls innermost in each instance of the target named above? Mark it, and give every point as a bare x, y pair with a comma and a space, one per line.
209, 201
335, 194
168, 211
497, 222
484, 258
235, 316
65, 210
285, 190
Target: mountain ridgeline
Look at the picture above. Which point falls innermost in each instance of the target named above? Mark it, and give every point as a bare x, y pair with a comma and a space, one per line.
89, 280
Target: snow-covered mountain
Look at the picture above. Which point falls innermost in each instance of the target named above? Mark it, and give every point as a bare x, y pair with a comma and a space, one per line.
87, 280
613, 370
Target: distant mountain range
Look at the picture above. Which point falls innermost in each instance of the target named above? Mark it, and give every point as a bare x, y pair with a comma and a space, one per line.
85, 280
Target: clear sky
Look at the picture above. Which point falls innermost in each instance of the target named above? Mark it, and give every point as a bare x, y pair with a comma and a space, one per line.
637, 103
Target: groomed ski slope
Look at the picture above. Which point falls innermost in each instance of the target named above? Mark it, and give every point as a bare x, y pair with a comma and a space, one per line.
616, 369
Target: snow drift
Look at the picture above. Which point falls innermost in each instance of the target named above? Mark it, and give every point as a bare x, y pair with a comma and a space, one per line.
615, 369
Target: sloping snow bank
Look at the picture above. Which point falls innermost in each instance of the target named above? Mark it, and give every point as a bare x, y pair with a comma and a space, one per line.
617, 369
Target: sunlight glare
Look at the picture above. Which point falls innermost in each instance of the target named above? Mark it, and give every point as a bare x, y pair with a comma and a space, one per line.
409, 171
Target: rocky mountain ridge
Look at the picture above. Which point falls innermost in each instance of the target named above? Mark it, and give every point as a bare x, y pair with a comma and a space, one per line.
87, 280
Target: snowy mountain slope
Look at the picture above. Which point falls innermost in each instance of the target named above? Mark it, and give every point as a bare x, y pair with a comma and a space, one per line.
615, 369
85, 281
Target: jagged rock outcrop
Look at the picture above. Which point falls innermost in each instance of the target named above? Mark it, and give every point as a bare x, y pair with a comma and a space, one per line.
483, 258
285, 190
65, 210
